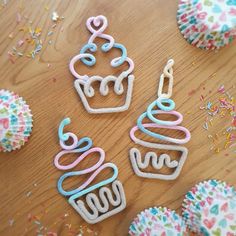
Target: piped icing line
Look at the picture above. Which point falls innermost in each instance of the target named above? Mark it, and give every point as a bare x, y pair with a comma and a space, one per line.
82, 190
101, 204
101, 23
97, 208
167, 73
87, 81
63, 137
159, 136
83, 83
166, 106
79, 159
158, 162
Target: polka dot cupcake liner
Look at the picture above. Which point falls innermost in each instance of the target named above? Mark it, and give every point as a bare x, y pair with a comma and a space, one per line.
15, 121
158, 221
209, 208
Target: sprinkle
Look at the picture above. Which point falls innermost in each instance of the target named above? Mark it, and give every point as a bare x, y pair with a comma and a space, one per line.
201, 98
205, 126
55, 16
50, 42
50, 33
221, 89
11, 57
11, 35
211, 122
46, 7
217, 150
18, 17
51, 234
11, 222
28, 194
209, 104
20, 43
20, 54
37, 222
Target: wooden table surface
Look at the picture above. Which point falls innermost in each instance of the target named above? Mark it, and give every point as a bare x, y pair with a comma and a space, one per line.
148, 29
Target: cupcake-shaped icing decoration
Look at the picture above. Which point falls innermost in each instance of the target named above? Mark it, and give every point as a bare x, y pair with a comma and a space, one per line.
164, 105
15, 121
91, 207
209, 209
84, 84
157, 221
207, 24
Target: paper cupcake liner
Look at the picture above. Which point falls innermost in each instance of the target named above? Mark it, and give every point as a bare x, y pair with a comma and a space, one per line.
15, 121
209, 208
207, 24
157, 221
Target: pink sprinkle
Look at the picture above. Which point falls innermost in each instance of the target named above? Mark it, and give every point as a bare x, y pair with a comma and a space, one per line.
202, 98
18, 17
11, 57
51, 234
20, 43
234, 121
221, 89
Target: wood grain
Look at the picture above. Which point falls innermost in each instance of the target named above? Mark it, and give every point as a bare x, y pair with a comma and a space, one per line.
148, 30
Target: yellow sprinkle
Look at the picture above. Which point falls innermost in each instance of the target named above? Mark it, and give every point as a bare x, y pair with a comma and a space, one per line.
228, 136
46, 7
217, 150
22, 29
226, 144
38, 30
211, 122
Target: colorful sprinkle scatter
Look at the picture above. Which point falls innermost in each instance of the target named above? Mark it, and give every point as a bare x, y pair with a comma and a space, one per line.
223, 108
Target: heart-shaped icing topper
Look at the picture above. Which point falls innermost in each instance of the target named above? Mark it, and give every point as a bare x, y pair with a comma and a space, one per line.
83, 83
166, 106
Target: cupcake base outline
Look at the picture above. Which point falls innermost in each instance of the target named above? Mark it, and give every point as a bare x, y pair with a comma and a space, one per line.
124, 107
93, 202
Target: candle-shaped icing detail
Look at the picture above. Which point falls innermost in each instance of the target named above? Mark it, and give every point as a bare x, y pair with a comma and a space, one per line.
84, 83
166, 106
93, 208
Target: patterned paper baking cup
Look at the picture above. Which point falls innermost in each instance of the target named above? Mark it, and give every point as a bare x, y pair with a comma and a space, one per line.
209, 208
207, 24
15, 121
158, 221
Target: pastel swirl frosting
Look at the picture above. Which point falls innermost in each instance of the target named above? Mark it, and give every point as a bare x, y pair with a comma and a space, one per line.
82, 146
161, 103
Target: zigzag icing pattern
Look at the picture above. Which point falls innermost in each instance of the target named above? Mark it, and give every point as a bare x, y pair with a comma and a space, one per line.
87, 90
98, 205
166, 106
